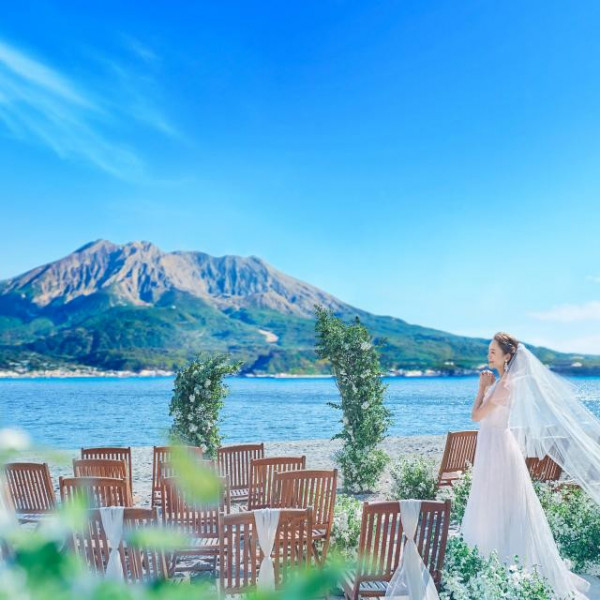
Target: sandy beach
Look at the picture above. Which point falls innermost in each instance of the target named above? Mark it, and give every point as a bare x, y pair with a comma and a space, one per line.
319, 455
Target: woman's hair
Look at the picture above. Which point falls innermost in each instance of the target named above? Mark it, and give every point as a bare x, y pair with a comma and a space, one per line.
508, 344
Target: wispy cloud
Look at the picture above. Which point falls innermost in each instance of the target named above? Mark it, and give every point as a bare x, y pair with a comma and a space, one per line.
593, 278
40, 103
570, 313
140, 49
583, 344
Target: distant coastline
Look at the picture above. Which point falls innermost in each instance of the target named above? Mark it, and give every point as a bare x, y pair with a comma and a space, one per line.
157, 373
95, 373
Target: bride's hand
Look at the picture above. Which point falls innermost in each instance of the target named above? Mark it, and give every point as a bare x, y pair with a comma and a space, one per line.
486, 379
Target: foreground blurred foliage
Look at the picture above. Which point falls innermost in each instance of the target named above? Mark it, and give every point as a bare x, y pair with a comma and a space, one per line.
36, 563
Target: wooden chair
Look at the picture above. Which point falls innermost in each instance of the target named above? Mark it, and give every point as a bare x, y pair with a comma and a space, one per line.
303, 489
240, 555
234, 463
111, 453
381, 544
160, 455
543, 470
140, 564
30, 490
115, 469
168, 470
262, 473
200, 522
96, 492
458, 454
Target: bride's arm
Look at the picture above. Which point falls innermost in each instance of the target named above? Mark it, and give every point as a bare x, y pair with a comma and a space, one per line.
480, 410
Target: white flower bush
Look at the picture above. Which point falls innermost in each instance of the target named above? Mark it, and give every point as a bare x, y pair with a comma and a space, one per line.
575, 522
467, 576
197, 401
415, 478
345, 533
355, 365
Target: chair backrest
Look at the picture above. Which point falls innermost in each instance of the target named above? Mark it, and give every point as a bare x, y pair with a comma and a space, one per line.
96, 492
30, 487
381, 543
99, 468
543, 470
262, 475
111, 453
163, 454
301, 489
167, 469
459, 452
194, 519
140, 565
240, 554
115, 469
234, 463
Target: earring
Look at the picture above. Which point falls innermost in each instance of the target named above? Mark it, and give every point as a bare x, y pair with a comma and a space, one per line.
506, 365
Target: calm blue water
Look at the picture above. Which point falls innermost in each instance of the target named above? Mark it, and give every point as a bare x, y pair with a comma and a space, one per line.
69, 413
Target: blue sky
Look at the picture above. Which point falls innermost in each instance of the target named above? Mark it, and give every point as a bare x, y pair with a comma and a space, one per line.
435, 161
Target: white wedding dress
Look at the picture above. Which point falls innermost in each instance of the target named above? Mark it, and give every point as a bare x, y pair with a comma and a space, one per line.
503, 513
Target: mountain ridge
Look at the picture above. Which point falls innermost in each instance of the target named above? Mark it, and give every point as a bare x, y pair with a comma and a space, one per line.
134, 307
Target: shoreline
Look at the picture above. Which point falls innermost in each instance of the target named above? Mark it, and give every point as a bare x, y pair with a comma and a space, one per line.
158, 374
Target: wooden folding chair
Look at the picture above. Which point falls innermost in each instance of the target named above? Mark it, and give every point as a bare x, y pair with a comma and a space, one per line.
115, 469
262, 474
240, 555
543, 470
199, 522
140, 564
234, 463
111, 453
459, 453
381, 544
310, 488
96, 492
30, 490
161, 455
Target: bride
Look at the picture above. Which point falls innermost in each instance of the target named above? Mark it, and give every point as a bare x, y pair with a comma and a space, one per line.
527, 411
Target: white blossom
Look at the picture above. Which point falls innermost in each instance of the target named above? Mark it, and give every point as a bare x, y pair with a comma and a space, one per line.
365, 346
13, 439
365, 405
207, 383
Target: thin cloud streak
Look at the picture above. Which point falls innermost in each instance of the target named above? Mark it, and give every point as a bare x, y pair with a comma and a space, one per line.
570, 313
39, 103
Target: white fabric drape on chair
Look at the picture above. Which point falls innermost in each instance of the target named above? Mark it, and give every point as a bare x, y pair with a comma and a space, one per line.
112, 521
411, 580
267, 521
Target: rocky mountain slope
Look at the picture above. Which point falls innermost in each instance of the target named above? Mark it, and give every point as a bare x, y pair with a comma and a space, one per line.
132, 307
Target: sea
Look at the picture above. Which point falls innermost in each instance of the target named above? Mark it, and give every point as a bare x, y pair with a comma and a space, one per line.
75, 412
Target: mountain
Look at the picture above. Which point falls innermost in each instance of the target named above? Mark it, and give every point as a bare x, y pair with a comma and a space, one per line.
133, 307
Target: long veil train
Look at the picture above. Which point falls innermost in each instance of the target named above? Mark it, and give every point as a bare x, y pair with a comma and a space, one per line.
547, 418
